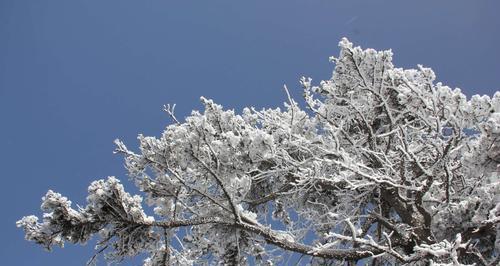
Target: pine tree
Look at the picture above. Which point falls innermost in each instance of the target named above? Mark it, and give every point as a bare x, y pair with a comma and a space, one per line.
382, 165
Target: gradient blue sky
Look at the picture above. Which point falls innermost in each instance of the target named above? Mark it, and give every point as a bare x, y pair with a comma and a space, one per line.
74, 75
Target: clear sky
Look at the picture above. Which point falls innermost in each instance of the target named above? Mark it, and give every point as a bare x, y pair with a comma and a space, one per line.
74, 75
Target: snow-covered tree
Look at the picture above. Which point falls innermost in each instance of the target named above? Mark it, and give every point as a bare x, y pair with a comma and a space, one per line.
383, 166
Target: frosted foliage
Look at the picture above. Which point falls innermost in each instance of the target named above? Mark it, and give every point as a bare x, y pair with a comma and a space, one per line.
383, 166
110, 212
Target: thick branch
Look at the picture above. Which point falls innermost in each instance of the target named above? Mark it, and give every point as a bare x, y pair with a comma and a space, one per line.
273, 238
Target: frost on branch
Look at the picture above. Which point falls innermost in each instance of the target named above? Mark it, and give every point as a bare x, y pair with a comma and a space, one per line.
384, 166
111, 212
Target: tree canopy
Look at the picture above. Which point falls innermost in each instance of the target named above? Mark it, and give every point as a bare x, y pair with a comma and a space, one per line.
377, 165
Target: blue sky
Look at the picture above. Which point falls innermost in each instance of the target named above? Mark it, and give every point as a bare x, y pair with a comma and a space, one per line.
74, 75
